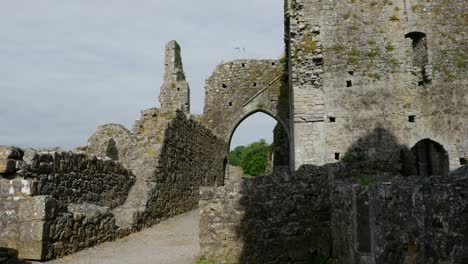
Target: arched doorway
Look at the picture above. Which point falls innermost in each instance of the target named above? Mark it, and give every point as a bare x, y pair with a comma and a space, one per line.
431, 158
250, 138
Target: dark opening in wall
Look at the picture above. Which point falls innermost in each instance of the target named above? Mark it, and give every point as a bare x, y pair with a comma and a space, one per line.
463, 161
351, 73
318, 61
273, 64
431, 158
337, 156
332, 119
243, 65
412, 118
254, 84
230, 103
349, 83
224, 85
178, 89
419, 55
363, 222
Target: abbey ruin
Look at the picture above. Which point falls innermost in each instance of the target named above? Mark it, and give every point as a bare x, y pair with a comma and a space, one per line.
371, 100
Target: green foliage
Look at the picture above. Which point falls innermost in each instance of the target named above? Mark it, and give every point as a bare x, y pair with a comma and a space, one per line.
394, 18
203, 260
354, 52
236, 155
461, 62
355, 157
354, 27
338, 48
308, 45
373, 53
389, 47
253, 159
365, 179
347, 16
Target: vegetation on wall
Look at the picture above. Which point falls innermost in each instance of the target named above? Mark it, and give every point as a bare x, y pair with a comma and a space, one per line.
253, 158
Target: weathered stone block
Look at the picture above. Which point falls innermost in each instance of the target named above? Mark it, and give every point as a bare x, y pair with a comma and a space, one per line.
37, 208
32, 250
32, 231
10, 153
7, 166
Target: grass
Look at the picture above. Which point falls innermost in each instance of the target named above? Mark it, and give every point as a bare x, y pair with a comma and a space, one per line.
373, 53
389, 47
461, 63
308, 45
203, 260
338, 48
354, 52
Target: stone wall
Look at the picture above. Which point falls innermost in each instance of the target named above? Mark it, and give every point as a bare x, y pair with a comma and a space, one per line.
191, 156
77, 178
407, 220
240, 88
354, 68
57, 203
279, 218
310, 217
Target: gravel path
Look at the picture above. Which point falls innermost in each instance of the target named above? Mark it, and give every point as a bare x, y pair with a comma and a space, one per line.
174, 241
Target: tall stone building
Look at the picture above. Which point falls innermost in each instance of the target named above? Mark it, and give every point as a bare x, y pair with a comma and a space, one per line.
399, 66
175, 91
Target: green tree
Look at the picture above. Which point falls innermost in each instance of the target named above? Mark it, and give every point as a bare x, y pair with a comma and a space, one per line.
254, 158
236, 155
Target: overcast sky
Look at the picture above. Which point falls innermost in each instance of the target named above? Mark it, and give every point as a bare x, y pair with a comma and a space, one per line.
68, 66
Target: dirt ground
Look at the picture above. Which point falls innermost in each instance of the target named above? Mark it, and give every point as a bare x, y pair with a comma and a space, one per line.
174, 241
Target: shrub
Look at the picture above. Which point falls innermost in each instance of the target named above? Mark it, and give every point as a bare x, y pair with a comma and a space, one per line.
254, 159
203, 260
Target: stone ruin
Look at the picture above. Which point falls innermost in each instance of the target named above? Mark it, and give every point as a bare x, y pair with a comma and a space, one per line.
372, 112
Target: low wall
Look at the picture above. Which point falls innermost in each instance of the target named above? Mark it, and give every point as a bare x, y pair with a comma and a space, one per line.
78, 178
46, 206
56, 203
279, 218
407, 220
309, 217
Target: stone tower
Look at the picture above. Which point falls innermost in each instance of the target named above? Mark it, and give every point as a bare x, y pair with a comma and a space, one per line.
175, 92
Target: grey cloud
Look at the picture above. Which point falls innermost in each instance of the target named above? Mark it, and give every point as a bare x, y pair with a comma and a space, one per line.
68, 66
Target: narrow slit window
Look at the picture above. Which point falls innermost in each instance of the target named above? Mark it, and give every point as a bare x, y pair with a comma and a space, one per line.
420, 57
243, 65
349, 83
230, 103
254, 84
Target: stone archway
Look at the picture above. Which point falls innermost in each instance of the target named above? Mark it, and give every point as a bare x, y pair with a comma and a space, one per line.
279, 154
241, 88
431, 158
